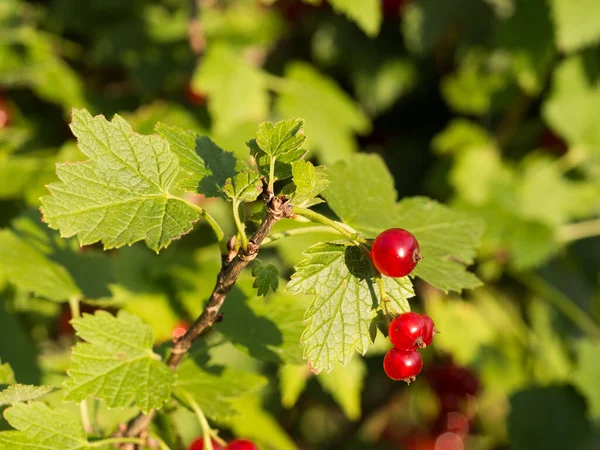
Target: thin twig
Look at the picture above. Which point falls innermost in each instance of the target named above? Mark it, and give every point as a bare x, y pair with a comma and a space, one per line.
561, 301
579, 230
277, 208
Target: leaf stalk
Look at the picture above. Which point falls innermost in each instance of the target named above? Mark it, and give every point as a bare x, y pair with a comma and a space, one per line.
341, 228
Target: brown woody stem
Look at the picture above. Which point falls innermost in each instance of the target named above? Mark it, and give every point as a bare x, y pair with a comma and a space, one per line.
277, 208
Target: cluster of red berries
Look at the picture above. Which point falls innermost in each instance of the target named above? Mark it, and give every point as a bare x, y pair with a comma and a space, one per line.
408, 332
236, 444
395, 253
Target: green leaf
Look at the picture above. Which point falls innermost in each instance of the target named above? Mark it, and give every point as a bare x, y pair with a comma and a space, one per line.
254, 422
552, 418
50, 76
339, 277
266, 278
236, 90
345, 385
378, 88
472, 330
397, 293
332, 118
572, 106
576, 24
20, 260
120, 196
550, 198
42, 428
586, 374
471, 88
150, 117
550, 362
366, 13
281, 138
363, 177
207, 166
91, 271
7, 376
242, 24
461, 135
16, 346
244, 187
213, 388
447, 238
269, 329
310, 181
16, 393
292, 381
184, 144
479, 174
116, 363
528, 35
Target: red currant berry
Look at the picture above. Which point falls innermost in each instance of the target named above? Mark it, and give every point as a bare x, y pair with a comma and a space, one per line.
5, 115
179, 329
407, 331
430, 330
447, 378
395, 252
402, 365
198, 444
241, 444
195, 97
419, 442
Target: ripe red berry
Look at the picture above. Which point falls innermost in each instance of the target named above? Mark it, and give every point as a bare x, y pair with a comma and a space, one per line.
430, 330
198, 444
449, 380
195, 97
241, 444
5, 115
395, 252
402, 365
407, 331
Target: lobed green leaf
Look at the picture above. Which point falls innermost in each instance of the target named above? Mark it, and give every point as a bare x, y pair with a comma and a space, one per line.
447, 238
16, 393
42, 428
309, 181
266, 278
116, 363
120, 196
345, 299
281, 138
244, 187
20, 260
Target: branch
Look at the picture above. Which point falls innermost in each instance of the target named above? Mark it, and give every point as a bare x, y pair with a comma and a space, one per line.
277, 208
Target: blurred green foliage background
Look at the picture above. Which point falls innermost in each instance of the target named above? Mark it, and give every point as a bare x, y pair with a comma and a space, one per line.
492, 106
